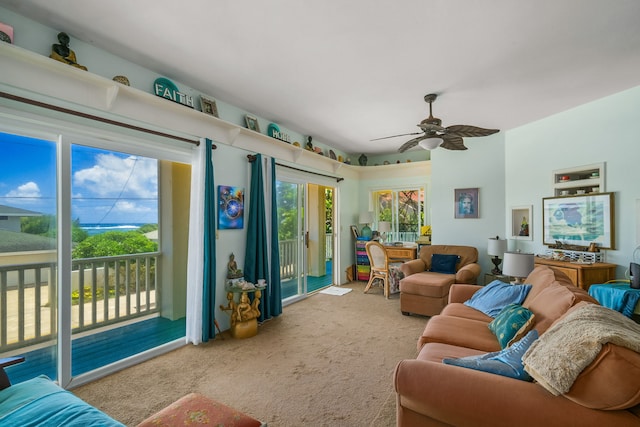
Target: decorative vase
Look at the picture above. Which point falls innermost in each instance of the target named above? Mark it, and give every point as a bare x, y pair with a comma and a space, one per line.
362, 160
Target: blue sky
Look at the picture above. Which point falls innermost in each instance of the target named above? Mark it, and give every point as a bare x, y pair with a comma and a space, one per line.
107, 187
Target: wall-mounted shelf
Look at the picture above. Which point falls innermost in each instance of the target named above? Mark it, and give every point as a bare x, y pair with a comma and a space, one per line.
579, 180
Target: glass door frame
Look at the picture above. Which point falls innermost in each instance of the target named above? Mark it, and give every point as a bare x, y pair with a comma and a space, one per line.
303, 180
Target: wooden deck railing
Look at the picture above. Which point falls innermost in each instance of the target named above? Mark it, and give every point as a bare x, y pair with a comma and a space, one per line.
105, 290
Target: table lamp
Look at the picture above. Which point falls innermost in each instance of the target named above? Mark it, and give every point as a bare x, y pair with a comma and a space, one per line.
366, 218
496, 248
518, 265
384, 227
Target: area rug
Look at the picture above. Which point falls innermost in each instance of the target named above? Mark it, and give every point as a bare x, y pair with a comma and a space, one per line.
334, 290
325, 361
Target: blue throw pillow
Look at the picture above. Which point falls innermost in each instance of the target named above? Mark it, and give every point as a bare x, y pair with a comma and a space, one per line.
444, 263
511, 324
507, 362
492, 298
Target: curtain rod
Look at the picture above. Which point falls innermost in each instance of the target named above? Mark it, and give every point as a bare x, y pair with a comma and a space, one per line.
96, 118
252, 158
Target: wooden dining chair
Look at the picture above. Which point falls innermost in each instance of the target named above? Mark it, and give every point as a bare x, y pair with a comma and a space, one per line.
379, 263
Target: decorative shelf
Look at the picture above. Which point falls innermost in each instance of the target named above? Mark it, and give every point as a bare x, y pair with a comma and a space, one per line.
579, 180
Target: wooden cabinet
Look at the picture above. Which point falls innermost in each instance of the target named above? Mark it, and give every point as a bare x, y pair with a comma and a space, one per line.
582, 275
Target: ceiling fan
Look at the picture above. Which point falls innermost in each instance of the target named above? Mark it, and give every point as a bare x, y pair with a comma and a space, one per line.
434, 135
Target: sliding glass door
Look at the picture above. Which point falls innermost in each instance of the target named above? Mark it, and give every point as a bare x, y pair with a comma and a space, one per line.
305, 235
80, 256
28, 250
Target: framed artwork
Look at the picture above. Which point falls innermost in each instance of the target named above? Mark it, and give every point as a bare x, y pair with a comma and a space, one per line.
230, 207
579, 220
6, 33
354, 231
466, 202
209, 106
521, 223
252, 123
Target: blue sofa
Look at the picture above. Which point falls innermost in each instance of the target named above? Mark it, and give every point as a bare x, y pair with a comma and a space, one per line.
41, 402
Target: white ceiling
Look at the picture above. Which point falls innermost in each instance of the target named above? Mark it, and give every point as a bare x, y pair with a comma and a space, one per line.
349, 71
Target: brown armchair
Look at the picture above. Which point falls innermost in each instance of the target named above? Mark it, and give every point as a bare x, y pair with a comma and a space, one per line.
426, 292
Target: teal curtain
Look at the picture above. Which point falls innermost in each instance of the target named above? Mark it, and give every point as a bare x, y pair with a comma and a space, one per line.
209, 276
256, 260
274, 307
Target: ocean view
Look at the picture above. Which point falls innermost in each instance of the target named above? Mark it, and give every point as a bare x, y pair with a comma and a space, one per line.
94, 229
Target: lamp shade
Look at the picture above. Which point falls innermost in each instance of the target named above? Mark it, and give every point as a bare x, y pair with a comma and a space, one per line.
430, 143
384, 226
497, 247
365, 218
518, 265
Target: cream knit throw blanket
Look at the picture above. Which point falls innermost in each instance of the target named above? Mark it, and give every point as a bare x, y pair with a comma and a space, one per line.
557, 358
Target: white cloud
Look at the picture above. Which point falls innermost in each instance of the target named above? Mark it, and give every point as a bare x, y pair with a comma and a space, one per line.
29, 189
113, 176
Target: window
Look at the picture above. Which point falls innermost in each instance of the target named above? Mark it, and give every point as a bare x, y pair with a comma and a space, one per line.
404, 209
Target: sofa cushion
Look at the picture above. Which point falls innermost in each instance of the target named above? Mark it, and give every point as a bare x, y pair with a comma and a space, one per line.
496, 295
458, 309
540, 278
461, 332
444, 263
551, 303
436, 352
610, 382
511, 324
507, 362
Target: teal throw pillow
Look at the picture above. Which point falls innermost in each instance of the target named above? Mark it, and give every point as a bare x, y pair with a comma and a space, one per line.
491, 299
444, 263
511, 324
507, 362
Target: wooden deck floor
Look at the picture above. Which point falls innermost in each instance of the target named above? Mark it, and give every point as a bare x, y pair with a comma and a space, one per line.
96, 350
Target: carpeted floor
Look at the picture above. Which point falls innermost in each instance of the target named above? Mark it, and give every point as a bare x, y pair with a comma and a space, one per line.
326, 361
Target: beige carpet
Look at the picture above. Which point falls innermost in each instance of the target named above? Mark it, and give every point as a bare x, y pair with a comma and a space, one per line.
326, 361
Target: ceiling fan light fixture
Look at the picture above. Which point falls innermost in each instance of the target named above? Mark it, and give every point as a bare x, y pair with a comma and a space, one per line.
431, 143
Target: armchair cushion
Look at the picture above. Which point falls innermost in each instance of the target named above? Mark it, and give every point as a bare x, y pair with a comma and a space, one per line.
444, 263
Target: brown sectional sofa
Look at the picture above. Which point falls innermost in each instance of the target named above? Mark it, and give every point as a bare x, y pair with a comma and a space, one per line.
431, 393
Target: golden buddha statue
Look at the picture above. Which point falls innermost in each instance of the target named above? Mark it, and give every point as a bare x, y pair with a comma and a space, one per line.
61, 52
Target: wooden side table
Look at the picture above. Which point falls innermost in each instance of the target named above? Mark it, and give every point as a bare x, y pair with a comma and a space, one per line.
582, 275
490, 277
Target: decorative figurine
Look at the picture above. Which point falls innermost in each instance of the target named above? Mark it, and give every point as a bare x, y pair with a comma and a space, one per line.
61, 52
233, 272
362, 160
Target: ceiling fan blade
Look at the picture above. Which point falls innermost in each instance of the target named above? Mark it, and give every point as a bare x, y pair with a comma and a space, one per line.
394, 136
412, 143
452, 142
469, 131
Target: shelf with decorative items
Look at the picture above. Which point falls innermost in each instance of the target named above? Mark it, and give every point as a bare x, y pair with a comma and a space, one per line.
579, 180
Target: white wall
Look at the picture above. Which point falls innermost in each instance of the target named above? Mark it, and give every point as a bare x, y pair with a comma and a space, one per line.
482, 167
607, 131
515, 168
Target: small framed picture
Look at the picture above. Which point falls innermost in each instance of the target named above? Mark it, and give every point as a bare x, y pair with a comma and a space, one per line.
6, 33
466, 203
209, 106
521, 223
252, 123
354, 231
